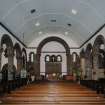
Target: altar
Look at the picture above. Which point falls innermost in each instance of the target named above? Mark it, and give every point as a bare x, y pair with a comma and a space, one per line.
53, 76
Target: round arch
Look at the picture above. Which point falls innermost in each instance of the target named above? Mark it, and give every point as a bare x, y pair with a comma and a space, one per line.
24, 58
49, 39
6, 39
89, 61
89, 48
8, 50
5, 73
18, 56
17, 48
59, 40
97, 52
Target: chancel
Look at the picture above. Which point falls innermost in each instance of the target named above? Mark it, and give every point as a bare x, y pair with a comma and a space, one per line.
52, 52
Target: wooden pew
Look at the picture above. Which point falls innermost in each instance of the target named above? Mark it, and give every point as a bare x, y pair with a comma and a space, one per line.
60, 93
101, 86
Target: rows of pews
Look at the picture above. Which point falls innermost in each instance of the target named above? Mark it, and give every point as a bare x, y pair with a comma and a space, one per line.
96, 85
11, 82
8, 85
53, 93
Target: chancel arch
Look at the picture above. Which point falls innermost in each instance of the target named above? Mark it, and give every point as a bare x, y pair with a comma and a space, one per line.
99, 57
60, 41
88, 61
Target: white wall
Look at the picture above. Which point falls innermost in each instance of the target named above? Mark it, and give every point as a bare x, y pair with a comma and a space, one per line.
75, 50
53, 47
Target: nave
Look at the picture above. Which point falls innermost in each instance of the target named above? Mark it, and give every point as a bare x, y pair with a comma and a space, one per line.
53, 93
52, 40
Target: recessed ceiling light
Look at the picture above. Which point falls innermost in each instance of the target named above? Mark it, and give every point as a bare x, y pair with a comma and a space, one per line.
69, 24
37, 24
40, 32
74, 11
32, 11
53, 20
66, 33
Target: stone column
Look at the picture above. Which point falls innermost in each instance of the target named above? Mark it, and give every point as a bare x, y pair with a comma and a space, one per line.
10, 62
68, 63
19, 63
95, 66
1, 50
10, 58
37, 61
82, 67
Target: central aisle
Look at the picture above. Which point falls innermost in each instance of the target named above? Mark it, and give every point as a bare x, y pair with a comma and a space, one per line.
59, 93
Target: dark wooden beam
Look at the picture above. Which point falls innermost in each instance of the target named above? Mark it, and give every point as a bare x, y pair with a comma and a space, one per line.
93, 35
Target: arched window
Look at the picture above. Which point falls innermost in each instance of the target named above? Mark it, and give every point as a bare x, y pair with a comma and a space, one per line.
101, 57
47, 58
74, 57
5, 50
4, 46
32, 57
53, 58
59, 58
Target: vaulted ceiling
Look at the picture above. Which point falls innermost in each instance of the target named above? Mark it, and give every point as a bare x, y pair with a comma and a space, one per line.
75, 19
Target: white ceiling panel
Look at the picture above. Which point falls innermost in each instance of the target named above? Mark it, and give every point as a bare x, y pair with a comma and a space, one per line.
16, 15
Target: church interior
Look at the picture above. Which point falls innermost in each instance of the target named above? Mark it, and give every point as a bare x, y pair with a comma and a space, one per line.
52, 52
